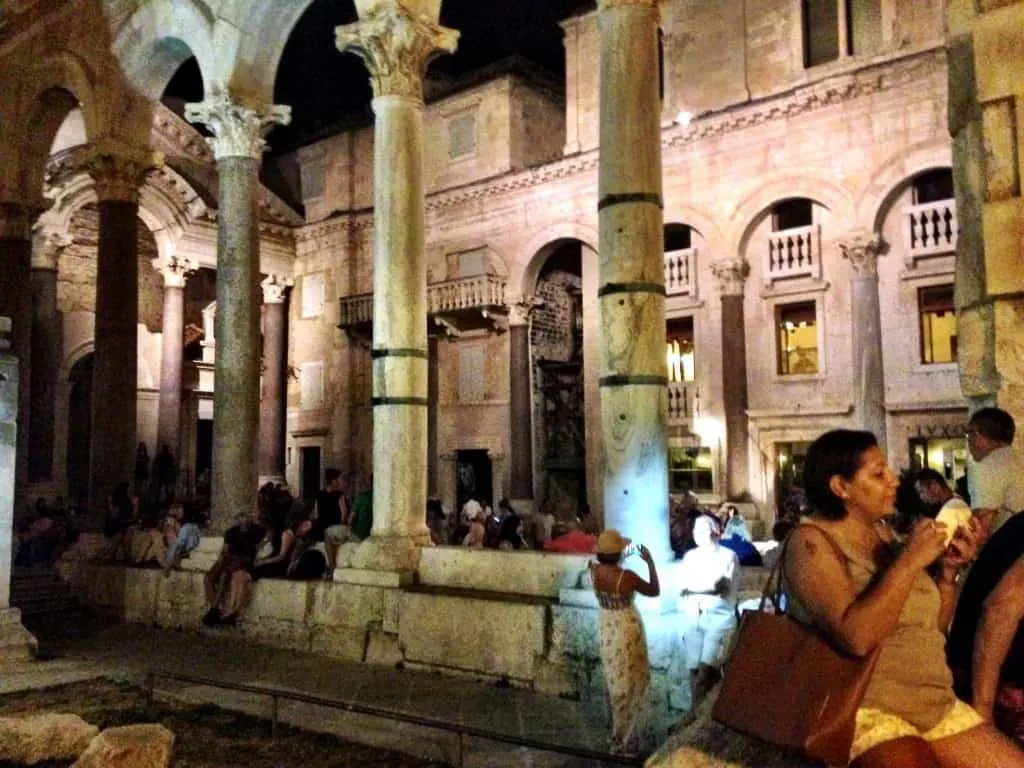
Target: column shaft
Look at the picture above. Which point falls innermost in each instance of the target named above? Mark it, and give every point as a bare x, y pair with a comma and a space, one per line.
46, 334
168, 431
520, 411
868, 372
734, 396
632, 286
115, 367
272, 399
236, 330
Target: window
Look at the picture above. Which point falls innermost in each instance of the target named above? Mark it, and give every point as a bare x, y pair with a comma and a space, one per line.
836, 28
933, 186
690, 469
792, 214
678, 237
797, 332
311, 383
821, 31
938, 324
462, 134
312, 295
680, 354
471, 373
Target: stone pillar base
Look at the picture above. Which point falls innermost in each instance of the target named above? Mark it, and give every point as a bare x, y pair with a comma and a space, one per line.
16, 642
390, 553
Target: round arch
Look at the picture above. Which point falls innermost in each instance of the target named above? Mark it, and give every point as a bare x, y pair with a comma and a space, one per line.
704, 224
891, 179
539, 248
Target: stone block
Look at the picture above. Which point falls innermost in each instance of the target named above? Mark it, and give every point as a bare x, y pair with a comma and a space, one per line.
347, 605
181, 601
141, 588
540, 574
345, 553
1002, 169
16, 642
487, 636
346, 643
1009, 321
106, 588
34, 739
369, 578
999, 53
976, 351
280, 634
383, 648
279, 600
392, 601
574, 633
129, 746
555, 678
1003, 224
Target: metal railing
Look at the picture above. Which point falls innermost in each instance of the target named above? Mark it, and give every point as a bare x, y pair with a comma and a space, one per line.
460, 730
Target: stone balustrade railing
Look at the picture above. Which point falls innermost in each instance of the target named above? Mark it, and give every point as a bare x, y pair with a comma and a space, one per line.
680, 272
356, 310
793, 253
930, 229
464, 293
680, 402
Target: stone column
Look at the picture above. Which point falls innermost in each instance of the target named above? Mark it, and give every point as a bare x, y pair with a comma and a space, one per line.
396, 45
48, 245
632, 282
117, 177
731, 275
15, 642
275, 378
175, 272
520, 405
16, 303
861, 250
238, 146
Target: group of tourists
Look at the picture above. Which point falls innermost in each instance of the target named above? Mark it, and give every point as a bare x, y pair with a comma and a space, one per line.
943, 604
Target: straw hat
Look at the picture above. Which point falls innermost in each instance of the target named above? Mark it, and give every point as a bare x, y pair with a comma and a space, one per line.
611, 542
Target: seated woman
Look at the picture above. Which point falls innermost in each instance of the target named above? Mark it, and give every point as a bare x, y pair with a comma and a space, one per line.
845, 574
284, 525
707, 602
623, 642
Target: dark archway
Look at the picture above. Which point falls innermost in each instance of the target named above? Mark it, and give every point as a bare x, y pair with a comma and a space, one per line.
79, 429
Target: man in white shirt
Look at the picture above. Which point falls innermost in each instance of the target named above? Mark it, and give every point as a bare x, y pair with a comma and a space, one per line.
931, 486
995, 480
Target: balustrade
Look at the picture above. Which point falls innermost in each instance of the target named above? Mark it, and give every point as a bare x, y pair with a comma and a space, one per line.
680, 402
793, 253
930, 229
356, 310
680, 272
481, 292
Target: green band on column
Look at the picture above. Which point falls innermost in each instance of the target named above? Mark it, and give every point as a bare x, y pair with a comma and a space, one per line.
421, 401
624, 380
609, 289
629, 197
398, 352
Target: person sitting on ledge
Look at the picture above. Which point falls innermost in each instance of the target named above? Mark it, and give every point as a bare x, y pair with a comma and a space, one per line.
226, 581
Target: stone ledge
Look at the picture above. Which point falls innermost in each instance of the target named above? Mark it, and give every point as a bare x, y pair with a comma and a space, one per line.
367, 578
524, 572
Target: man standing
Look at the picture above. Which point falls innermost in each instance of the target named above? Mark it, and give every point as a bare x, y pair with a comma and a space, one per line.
331, 505
994, 479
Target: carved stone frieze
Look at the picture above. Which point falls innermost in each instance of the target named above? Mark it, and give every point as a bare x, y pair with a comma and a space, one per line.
238, 130
862, 250
730, 274
396, 46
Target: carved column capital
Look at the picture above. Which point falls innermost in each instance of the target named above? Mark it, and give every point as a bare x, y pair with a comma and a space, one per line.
862, 250
48, 245
17, 219
396, 46
275, 288
238, 130
730, 274
118, 172
175, 270
520, 310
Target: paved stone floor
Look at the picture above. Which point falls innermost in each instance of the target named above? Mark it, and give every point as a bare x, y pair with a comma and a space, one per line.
83, 648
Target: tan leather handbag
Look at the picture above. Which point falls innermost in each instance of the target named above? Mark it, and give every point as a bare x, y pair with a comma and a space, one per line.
786, 685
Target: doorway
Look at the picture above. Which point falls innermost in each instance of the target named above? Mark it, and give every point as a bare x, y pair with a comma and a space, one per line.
309, 458
79, 430
474, 477
790, 459
204, 456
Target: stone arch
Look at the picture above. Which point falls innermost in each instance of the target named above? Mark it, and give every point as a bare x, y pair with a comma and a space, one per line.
751, 210
540, 247
706, 227
159, 37
894, 175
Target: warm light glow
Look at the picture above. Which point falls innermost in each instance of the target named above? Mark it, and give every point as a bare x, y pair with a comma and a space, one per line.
680, 362
711, 431
684, 118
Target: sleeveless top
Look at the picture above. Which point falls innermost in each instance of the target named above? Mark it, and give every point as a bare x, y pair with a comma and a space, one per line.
613, 600
911, 679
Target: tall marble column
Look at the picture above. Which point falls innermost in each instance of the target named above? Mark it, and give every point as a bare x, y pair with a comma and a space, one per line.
115, 360
47, 247
238, 146
862, 250
275, 378
520, 404
731, 275
631, 293
16, 222
175, 272
396, 44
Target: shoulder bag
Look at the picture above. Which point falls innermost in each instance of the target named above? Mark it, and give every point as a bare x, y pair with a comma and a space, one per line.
787, 685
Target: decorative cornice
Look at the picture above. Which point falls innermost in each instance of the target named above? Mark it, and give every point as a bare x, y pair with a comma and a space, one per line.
730, 274
343, 223
396, 46
275, 288
175, 270
862, 250
238, 130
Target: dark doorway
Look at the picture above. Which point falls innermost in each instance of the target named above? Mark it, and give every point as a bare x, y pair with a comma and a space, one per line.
79, 430
204, 451
310, 463
475, 478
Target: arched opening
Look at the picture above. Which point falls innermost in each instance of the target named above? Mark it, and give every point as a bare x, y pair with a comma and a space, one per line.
79, 430
54, 112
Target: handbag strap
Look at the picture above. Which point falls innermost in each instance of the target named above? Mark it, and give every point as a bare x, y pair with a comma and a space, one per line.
773, 585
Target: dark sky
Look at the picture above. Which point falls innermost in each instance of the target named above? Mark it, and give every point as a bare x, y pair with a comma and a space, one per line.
328, 90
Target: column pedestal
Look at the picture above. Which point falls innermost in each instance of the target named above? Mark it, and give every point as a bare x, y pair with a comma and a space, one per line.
275, 380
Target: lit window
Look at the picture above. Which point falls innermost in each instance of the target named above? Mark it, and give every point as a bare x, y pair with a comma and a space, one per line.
938, 324
690, 469
679, 355
797, 332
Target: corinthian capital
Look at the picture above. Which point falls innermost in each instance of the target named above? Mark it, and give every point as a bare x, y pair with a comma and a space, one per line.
118, 172
862, 250
730, 275
519, 311
396, 47
275, 288
48, 244
175, 270
238, 131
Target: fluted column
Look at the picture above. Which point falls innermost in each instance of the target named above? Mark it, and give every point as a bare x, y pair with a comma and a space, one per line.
631, 276
731, 274
275, 378
117, 176
862, 251
396, 45
520, 401
16, 222
47, 248
238, 146
175, 273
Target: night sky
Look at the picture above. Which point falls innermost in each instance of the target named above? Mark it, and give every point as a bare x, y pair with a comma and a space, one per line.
328, 90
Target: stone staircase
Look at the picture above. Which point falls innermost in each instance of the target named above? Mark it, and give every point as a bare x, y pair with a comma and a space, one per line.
39, 591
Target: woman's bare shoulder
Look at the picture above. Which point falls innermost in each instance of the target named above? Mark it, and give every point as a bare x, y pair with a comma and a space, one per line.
810, 541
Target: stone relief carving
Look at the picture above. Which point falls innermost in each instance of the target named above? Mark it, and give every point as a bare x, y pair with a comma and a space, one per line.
238, 130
